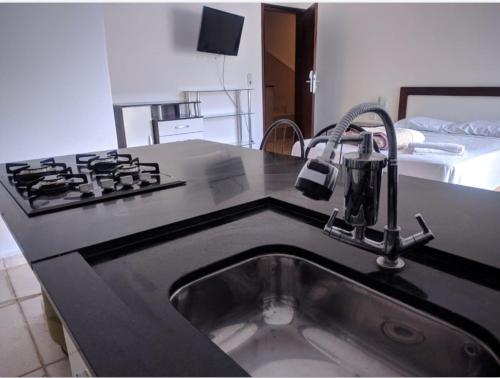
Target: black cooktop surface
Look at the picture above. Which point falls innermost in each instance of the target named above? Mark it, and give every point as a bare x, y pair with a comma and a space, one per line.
42, 186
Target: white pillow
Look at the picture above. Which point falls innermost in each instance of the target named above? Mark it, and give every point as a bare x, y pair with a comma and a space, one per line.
479, 127
423, 124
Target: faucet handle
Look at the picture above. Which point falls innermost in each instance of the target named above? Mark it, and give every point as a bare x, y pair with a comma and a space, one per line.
331, 220
393, 261
423, 225
419, 238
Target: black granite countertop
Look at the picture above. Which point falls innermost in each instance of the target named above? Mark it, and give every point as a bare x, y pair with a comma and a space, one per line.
80, 254
218, 176
116, 305
465, 220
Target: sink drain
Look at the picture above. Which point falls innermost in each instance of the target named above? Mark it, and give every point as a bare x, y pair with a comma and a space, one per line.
278, 310
471, 350
401, 333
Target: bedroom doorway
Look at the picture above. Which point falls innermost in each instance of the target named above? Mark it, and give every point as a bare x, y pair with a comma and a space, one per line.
288, 65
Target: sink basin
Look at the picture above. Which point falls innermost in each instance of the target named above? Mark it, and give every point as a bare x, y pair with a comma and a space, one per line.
281, 315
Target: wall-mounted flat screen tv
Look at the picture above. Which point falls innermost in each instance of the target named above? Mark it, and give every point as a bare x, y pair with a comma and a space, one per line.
220, 32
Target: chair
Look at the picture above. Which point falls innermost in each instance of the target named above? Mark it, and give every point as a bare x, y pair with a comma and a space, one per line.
324, 131
277, 135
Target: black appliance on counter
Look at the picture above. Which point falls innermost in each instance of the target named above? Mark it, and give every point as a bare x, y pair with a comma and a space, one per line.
48, 185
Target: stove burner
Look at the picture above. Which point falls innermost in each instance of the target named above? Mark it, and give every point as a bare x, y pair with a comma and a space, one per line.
103, 164
127, 181
43, 186
135, 169
127, 169
55, 184
24, 173
52, 180
108, 185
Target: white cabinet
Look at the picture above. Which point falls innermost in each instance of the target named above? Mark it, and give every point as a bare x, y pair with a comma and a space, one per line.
144, 123
137, 126
181, 137
178, 130
180, 126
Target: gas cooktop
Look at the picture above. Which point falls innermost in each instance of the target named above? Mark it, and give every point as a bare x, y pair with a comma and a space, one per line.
48, 185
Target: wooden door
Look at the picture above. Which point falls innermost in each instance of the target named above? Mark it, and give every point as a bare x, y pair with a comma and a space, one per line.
305, 69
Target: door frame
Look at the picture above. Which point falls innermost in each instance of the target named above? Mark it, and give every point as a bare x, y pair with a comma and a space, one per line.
297, 12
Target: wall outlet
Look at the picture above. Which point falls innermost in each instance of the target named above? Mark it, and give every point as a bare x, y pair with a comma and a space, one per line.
382, 101
249, 79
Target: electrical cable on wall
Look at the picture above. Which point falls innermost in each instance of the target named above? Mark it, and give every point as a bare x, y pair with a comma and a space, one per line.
223, 83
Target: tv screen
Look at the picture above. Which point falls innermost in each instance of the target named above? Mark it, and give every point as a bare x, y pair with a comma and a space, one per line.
220, 32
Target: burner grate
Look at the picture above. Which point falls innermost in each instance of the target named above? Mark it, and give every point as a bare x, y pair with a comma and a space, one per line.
24, 173
55, 184
102, 164
48, 185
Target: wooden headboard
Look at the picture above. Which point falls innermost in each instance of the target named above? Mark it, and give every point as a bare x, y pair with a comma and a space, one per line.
442, 91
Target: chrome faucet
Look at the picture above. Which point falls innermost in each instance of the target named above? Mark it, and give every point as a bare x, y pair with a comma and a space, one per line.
362, 180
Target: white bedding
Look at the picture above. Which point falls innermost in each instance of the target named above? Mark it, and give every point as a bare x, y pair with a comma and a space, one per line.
478, 167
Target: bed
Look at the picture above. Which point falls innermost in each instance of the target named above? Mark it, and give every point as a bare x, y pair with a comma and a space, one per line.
478, 166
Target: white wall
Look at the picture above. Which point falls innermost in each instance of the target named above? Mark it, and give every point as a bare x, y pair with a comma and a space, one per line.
152, 55
55, 95
371, 50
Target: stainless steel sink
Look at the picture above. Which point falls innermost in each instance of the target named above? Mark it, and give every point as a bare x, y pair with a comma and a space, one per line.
280, 315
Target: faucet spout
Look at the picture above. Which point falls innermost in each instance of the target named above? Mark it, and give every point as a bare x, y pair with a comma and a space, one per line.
363, 169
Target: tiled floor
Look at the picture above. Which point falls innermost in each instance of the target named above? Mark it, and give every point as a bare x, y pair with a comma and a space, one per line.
26, 348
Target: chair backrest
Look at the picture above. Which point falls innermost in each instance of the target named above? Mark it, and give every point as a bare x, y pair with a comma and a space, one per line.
324, 132
281, 136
